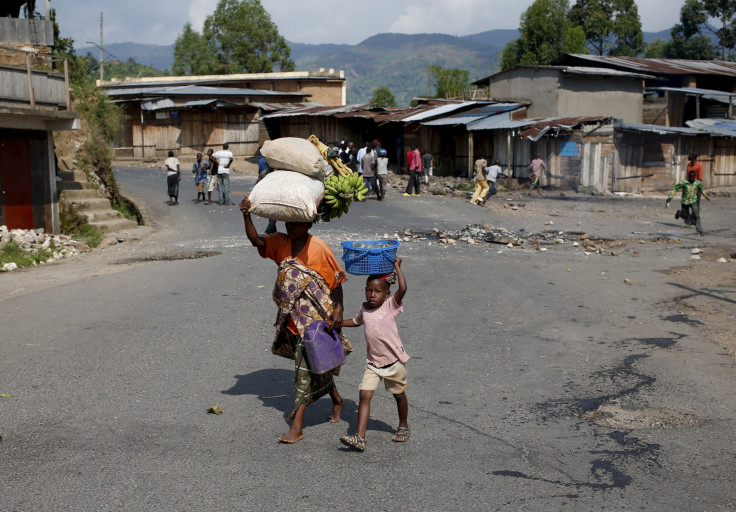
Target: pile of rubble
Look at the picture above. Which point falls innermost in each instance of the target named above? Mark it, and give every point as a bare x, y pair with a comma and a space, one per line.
476, 234
34, 240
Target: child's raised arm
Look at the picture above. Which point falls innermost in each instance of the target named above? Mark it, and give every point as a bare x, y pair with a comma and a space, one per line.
399, 295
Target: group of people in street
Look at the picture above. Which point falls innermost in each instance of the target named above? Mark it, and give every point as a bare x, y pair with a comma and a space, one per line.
370, 161
210, 174
308, 289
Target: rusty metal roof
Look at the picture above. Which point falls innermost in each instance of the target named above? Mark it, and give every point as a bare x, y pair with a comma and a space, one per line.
555, 125
657, 66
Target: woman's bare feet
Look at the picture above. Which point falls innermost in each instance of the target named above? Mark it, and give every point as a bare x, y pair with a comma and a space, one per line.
291, 437
336, 410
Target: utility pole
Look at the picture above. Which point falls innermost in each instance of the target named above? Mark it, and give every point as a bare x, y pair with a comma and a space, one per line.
102, 67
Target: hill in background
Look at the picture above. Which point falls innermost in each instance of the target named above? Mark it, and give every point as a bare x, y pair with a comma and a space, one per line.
397, 61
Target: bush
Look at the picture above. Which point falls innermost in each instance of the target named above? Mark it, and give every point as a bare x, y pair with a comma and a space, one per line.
77, 227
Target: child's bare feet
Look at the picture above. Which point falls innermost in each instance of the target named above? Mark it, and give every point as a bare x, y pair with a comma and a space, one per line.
336, 410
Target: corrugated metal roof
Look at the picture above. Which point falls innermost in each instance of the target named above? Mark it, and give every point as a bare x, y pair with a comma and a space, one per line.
438, 111
157, 104
193, 90
719, 127
190, 80
573, 70
498, 122
654, 128
558, 124
694, 91
579, 70
476, 114
660, 66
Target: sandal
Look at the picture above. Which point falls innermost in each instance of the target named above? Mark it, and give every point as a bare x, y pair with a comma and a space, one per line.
402, 435
354, 441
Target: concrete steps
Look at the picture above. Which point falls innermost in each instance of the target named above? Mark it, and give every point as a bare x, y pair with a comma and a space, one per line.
78, 194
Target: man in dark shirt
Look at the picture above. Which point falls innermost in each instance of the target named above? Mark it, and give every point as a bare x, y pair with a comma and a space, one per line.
212, 177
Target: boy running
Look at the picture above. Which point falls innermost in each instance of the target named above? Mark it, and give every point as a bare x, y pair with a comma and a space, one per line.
385, 353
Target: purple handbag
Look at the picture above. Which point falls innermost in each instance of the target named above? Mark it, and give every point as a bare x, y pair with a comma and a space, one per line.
323, 348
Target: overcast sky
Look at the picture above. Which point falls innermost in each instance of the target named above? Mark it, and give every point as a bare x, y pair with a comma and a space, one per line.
323, 21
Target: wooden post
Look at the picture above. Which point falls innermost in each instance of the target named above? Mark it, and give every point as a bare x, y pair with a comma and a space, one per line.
509, 159
470, 154
66, 82
31, 96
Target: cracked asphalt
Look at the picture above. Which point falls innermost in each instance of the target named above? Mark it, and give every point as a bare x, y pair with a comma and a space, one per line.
543, 376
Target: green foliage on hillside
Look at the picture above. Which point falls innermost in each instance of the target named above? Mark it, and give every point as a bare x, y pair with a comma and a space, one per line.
399, 62
131, 68
383, 97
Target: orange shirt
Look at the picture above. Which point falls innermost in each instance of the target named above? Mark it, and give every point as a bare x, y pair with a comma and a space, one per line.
698, 168
316, 255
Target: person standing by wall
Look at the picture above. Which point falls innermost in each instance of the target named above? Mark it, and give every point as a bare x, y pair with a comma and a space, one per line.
173, 177
224, 158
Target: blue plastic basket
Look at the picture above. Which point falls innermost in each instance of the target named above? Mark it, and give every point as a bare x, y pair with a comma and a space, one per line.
369, 257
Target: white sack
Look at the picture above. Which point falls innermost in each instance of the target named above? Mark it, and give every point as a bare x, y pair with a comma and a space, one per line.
287, 196
295, 154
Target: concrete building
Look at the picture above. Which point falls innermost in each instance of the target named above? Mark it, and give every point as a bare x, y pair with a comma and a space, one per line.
34, 102
566, 91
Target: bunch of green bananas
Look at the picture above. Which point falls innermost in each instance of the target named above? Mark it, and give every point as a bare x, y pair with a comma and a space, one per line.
340, 191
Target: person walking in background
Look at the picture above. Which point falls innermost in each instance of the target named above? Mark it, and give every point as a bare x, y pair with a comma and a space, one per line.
212, 183
415, 170
385, 354
369, 172
535, 174
173, 177
224, 158
199, 169
361, 154
492, 173
692, 189
382, 172
481, 185
427, 166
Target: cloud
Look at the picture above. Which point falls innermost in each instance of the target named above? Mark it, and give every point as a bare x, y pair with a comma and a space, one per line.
198, 12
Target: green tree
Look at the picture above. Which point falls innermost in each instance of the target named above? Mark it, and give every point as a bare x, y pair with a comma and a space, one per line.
448, 82
546, 35
656, 49
193, 55
611, 27
239, 37
694, 16
383, 97
694, 47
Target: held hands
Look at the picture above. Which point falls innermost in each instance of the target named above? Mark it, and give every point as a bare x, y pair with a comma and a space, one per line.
335, 321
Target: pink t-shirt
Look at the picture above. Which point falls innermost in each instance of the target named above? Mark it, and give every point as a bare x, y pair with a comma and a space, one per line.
382, 342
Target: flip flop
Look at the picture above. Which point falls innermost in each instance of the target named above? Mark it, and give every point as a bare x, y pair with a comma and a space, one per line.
354, 441
402, 435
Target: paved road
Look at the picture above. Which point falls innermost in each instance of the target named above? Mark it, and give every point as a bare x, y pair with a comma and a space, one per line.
112, 360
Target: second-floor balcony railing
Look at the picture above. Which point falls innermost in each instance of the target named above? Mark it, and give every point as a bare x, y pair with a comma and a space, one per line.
30, 87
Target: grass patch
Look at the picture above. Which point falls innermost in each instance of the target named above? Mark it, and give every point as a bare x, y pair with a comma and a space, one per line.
465, 186
13, 252
77, 227
129, 210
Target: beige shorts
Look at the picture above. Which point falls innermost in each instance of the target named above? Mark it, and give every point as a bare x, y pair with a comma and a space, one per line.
394, 378
212, 183
200, 186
